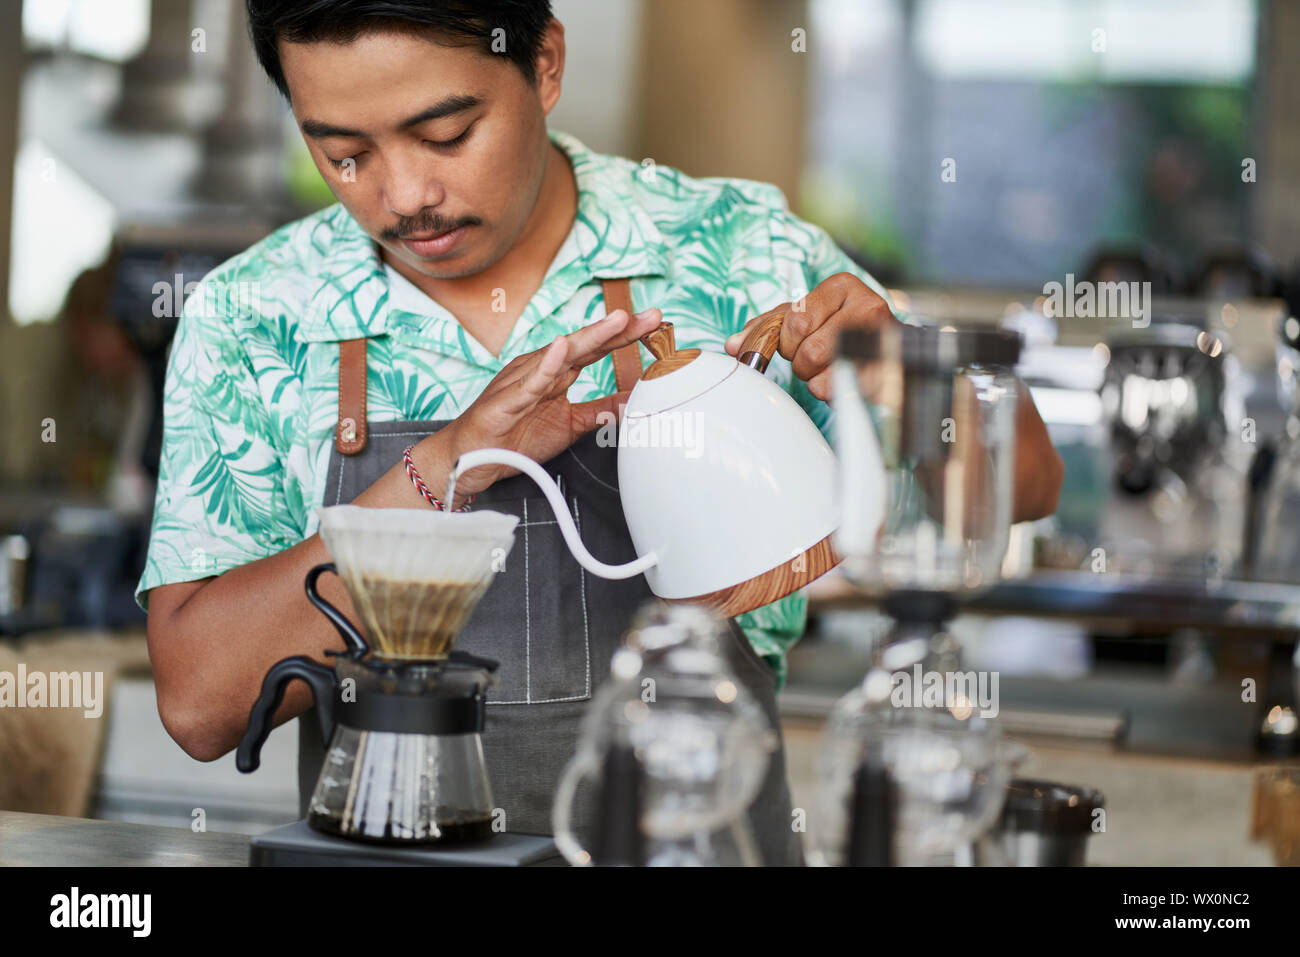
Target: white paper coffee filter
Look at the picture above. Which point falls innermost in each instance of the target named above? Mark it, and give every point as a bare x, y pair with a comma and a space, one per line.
416, 544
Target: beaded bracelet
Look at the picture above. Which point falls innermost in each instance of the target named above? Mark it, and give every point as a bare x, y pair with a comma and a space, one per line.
423, 489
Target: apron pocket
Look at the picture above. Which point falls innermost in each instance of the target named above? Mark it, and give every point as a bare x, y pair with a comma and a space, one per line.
534, 617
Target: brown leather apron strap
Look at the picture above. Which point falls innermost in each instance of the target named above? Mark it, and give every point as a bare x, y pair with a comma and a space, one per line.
627, 359
350, 433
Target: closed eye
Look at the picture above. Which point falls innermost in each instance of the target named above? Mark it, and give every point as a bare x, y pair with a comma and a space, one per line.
339, 163
452, 143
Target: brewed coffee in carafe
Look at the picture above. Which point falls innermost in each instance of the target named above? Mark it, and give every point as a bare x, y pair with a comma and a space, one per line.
401, 709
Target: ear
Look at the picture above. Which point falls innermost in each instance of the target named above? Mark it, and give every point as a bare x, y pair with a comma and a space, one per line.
550, 65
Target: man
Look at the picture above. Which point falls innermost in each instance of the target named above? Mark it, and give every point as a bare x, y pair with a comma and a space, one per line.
453, 300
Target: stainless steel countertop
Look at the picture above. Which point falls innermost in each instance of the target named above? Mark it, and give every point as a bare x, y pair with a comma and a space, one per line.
45, 840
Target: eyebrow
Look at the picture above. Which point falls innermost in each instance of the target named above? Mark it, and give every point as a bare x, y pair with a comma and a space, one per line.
449, 106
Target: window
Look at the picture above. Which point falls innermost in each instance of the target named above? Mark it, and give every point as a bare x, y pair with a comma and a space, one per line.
996, 143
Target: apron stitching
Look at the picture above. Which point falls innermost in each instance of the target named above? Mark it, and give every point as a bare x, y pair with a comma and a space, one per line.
402, 434
586, 624
338, 492
582, 585
594, 477
528, 621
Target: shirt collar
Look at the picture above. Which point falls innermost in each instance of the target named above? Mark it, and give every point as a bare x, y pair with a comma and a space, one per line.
612, 233
612, 229
351, 296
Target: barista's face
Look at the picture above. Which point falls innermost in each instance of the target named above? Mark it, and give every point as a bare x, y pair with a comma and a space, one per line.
437, 151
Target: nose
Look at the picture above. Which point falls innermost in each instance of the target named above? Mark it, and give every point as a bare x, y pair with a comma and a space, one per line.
410, 186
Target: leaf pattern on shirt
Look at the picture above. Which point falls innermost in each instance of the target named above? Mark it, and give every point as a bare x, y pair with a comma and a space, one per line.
251, 394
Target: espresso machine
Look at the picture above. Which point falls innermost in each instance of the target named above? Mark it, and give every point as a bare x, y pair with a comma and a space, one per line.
1174, 406
913, 768
1271, 546
404, 779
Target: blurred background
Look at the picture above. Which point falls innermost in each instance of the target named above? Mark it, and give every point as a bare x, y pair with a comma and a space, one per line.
967, 152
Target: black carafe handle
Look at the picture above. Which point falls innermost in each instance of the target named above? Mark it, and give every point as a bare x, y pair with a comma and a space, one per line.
357, 646
322, 682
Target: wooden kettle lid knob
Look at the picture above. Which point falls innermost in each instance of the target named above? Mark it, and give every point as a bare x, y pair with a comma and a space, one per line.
662, 344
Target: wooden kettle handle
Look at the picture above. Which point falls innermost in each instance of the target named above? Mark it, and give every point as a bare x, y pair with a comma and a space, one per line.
761, 342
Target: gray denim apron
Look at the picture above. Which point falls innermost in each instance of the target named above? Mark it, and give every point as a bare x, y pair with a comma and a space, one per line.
554, 628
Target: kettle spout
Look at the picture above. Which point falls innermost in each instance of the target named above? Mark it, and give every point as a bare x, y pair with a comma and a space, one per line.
568, 529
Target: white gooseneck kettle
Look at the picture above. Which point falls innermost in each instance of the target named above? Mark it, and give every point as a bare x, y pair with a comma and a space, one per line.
728, 488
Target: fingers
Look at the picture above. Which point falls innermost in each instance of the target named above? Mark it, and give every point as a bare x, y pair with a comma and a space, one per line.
802, 317
538, 382
812, 324
592, 342
597, 412
737, 339
817, 349
549, 371
811, 313
642, 323
820, 385
814, 354
592, 337
732, 345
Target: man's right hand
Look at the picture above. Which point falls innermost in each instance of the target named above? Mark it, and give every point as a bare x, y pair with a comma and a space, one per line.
526, 408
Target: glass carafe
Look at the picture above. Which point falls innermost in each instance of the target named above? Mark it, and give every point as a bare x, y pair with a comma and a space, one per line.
398, 787
675, 748
404, 763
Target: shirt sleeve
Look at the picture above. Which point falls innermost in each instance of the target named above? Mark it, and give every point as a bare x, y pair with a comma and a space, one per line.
807, 256
221, 499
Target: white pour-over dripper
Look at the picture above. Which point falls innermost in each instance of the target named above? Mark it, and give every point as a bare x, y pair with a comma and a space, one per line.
415, 575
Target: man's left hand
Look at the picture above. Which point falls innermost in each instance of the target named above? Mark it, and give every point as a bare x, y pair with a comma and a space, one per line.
813, 323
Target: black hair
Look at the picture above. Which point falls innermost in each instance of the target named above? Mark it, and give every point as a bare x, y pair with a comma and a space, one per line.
522, 24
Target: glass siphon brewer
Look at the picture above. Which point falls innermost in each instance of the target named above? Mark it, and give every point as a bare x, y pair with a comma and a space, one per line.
912, 767
675, 747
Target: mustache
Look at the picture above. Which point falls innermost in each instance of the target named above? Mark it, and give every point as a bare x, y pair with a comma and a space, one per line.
426, 223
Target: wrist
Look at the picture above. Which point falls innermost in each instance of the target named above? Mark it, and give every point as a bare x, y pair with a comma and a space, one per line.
435, 457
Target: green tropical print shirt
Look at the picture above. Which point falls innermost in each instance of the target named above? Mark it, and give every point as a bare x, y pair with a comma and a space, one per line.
251, 395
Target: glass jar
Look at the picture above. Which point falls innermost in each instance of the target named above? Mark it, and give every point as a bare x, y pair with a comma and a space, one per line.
925, 433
